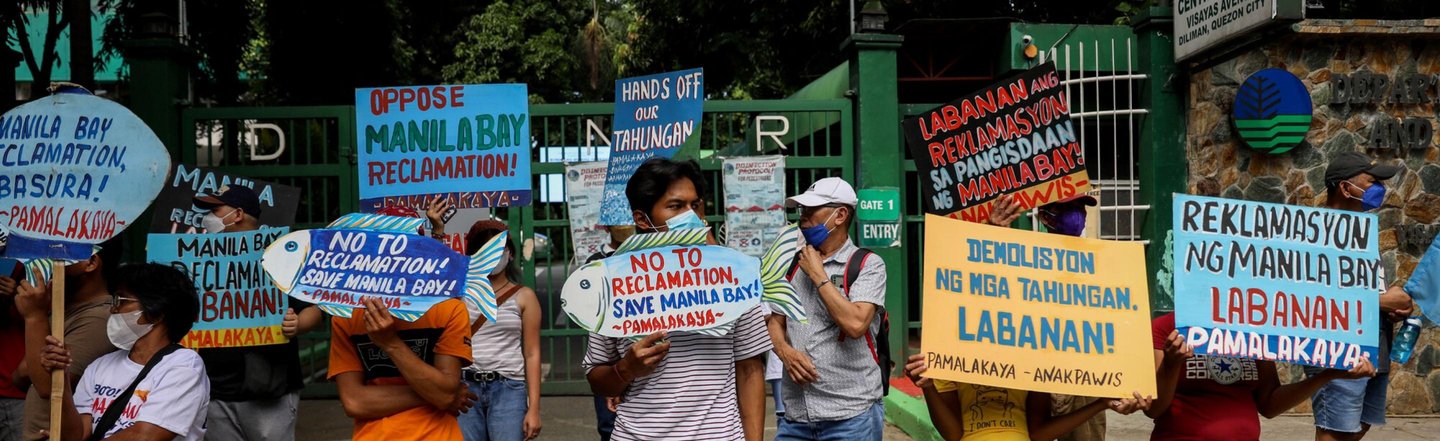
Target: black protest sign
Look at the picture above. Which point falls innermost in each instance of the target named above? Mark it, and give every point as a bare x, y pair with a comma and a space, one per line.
1011, 137
175, 211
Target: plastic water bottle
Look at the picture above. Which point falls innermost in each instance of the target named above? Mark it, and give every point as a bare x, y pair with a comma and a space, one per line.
1405, 340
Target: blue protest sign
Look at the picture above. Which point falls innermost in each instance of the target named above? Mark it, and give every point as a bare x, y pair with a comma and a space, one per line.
1277, 282
470, 143
654, 116
239, 305
673, 282
381, 257
1424, 283
75, 170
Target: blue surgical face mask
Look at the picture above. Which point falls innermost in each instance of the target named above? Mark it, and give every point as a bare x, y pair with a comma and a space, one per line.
816, 234
1373, 196
685, 221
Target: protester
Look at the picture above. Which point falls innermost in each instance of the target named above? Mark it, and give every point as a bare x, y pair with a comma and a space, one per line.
1345, 409
87, 310
255, 389
605, 406
836, 383
690, 385
1206, 398
151, 388
506, 372
378, 363
13, 381
996, 413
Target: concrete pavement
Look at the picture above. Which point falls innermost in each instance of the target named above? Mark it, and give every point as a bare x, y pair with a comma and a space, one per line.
573, 419
564, 419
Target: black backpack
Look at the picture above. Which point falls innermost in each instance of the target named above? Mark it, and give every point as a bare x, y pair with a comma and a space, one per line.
878, 342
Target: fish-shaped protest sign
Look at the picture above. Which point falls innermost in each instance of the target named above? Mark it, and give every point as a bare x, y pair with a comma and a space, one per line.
364, 256
674, 281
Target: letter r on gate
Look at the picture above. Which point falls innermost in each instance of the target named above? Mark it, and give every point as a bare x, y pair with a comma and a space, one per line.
774, 135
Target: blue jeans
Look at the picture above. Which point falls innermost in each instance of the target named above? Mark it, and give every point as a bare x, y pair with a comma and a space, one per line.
867, 426
499, 412
604, 418
1349, 405
779, 395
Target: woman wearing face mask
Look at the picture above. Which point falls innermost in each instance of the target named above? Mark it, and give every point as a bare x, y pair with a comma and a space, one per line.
153, 307
506, 370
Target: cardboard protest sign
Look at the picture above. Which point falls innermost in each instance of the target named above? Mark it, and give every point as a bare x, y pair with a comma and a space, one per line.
754, 202
1011, 137
176, 213
654, 116
75, 170
470, 143
584, 186
1035, 311
1277, 282
239, 305
673, 282
364, 256
1424, 283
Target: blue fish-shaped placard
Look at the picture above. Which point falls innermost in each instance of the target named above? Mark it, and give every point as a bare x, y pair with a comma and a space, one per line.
674, 282
365, 256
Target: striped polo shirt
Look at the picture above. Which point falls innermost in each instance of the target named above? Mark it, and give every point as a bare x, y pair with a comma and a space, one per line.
849, 382
691, 394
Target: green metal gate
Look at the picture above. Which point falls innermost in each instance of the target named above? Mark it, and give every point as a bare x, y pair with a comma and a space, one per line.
819, 144
313, 148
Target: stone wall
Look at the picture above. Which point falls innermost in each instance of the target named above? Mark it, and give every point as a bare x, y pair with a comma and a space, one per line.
1319, 51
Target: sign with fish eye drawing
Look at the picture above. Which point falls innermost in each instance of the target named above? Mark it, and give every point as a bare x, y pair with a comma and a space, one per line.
1277, 282
673, 282
1035, 311
75, 171
654, 116
368, 256
1011, 137
419, 141
239, 305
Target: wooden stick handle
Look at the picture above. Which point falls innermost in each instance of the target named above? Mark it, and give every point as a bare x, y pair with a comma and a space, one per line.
57, 329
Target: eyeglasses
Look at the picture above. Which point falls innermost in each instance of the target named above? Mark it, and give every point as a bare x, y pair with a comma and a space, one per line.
116, 300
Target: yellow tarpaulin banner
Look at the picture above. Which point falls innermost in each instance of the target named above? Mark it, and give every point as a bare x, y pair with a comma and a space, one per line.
1035, 311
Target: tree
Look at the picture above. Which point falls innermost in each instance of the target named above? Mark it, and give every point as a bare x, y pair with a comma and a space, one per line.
524, 42
18, 21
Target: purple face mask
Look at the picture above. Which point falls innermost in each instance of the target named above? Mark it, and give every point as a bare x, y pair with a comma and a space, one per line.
1070, 221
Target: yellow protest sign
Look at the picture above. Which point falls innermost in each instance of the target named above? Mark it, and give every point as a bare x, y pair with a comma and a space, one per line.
1035, 311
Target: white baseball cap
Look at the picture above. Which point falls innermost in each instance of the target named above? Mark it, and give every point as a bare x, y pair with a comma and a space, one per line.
823, 192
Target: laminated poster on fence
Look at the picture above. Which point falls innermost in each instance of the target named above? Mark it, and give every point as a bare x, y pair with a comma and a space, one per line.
1277, 282
754, 202
584, 186
1035, 311
239, 305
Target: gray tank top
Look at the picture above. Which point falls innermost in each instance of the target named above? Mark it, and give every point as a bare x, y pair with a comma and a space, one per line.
495, 347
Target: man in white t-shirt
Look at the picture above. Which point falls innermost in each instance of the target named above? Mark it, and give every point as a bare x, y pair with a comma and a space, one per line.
152, 307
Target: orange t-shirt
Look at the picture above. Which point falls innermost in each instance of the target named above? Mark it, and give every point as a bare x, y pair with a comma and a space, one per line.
443, 330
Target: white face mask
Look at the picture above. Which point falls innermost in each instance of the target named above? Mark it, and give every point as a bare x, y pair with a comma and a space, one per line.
124, 329
504, 263
213, 223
